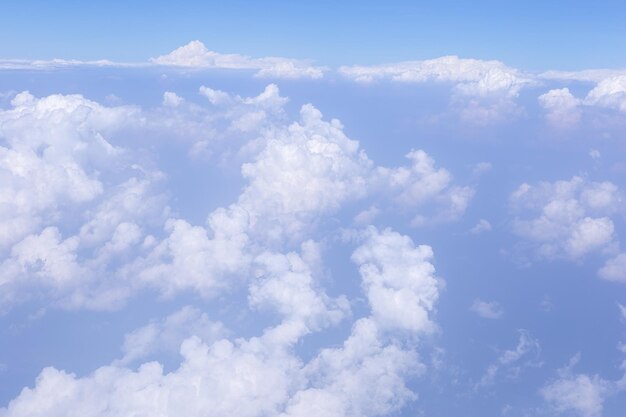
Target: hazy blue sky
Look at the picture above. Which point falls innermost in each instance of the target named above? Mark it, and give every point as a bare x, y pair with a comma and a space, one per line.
290, 210
530, 34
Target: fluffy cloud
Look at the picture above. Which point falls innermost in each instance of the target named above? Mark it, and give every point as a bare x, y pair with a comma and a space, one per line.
578, 393
581, 394
127, 238
562, 108
572, 216
166, 335
53, 159
614, 269
196, 55
398, 280
484, 90
365, 376
610, 92
58, 170
423, 183
307, 169
286, 283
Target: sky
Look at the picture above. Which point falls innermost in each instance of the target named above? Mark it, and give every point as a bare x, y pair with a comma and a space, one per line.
299, 210
532, 35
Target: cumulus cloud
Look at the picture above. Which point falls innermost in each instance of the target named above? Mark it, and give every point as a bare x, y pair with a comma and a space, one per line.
365, 376
55, 149
398, 279
610, 93
286, 283
484, 90
58, 169
306, 169
614, 269
562, 108
423, 182
572, 217
193, 55
128, 239
196, 55
581, 394
487, 309
166, 335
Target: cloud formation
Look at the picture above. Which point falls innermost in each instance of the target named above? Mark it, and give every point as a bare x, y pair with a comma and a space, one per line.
571, 218
196, 55
261, 375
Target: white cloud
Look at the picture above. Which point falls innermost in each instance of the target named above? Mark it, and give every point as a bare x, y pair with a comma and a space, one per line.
484, 90
365, 376
481, 227
54, 155
166, 335
192, 257
593, 75
513, 361
579, 393
610, 93
423, 183
307, 169
24, 64
486, 309
614, 269
171, 99
127, 238
562, 108
367, 216
473, 77
398, 279
572, 216
196, 55
285, 283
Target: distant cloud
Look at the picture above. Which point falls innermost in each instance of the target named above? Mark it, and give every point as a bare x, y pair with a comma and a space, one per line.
481, 227
23, 64
610, 92
572, 217
481, 168
196, 55
192, 55
562, 108
487, 310
511, 362
614, 269
484, 91
471, 76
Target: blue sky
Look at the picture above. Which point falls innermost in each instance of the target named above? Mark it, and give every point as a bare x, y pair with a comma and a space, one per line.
535, 35
303, 210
